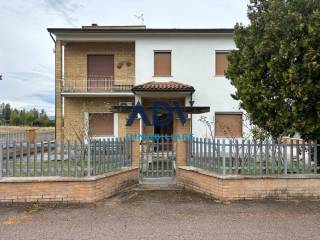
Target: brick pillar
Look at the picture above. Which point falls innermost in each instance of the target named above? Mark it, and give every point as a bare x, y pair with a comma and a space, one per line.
181, 145
58, 97
131, 130
31, 135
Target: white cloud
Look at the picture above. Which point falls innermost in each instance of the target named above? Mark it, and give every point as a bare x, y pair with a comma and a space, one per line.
26, 56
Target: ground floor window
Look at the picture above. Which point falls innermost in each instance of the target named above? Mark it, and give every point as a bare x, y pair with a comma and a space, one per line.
101, 124
228, 124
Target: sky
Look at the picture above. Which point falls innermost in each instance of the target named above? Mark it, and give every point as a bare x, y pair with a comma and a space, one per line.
26, 49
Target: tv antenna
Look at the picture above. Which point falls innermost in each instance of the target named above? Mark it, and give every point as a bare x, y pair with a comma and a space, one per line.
140, 17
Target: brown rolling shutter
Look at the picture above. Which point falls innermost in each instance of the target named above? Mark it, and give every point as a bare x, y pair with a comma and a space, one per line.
101, 124
228, 125
221, 63
100, 72
162, 64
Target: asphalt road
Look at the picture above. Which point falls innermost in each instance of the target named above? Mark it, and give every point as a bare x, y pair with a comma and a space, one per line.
163, 215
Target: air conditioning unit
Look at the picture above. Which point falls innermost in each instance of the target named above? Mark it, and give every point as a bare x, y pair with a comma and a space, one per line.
126, 104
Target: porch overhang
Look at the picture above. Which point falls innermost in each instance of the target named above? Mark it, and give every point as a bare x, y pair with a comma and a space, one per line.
188, 110
162, 87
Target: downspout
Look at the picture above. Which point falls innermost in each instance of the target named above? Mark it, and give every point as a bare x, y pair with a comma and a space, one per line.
52, 38
191, 113
54, 50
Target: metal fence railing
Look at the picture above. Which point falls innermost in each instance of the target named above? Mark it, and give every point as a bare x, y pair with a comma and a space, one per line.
47, 136
24, 159
12, 136
235, 157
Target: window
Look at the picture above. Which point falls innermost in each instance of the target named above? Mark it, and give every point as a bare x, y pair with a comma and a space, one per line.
162, 63
100, 71
228, 124
221, 62
101, 124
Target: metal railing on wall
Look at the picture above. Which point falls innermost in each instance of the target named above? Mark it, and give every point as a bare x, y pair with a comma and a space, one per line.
24, 159
233, 157
12, 136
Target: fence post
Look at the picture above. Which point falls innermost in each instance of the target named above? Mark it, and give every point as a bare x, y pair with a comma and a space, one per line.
285, 158
89, 159
224, 156
315, 157
31, 135
1, 160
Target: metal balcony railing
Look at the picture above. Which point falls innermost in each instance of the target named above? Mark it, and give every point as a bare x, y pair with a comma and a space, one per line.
98, 84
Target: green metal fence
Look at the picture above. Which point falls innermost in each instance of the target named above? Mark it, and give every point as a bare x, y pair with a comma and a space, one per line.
233, 157
72, 159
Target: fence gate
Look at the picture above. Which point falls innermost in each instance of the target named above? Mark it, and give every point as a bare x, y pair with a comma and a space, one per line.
158, 161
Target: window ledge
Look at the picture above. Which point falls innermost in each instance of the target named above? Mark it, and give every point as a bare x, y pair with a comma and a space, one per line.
162, 76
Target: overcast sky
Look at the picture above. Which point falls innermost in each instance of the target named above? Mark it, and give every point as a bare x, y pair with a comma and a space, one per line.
26, 50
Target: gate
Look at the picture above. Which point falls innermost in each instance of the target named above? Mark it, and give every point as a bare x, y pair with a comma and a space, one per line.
158, 161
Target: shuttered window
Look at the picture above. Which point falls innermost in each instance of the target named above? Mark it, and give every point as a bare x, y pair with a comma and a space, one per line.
221, 63
101, 124
162, 64
100, 66
100, 72
228, 125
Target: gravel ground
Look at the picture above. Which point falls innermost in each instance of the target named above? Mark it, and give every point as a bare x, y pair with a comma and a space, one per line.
163, 215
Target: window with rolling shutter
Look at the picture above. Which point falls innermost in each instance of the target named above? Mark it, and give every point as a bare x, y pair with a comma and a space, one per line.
101, 124
162, 63
228, 125
221, 63
100, 71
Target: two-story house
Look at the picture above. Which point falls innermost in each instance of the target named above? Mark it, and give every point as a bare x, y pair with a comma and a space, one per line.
99, 67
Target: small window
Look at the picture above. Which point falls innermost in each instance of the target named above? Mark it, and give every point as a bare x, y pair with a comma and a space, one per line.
162, 63
221, 62
228, 125
101, 124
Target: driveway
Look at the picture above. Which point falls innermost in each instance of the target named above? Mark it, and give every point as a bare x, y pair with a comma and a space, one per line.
163, 215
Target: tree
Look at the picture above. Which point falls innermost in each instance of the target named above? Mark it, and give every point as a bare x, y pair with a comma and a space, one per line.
7, 112
276, 67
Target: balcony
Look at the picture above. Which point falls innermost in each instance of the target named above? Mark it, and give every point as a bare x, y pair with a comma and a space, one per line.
98, 85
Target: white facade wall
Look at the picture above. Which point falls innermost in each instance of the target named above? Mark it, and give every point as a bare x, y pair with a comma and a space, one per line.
193, 63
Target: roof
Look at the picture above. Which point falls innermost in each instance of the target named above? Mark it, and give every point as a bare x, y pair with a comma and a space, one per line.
140, 30
163, 87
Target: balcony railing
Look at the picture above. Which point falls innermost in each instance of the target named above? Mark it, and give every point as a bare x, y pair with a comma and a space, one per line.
98, 85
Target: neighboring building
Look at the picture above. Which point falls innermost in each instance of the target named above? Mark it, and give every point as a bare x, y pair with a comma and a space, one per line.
99, 67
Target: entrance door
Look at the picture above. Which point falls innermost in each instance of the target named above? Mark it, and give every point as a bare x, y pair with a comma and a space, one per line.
100, 73
164, 131
158, 161
158, 156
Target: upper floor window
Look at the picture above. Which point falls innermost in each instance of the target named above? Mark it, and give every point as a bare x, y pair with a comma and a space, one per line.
221, 62
162, 63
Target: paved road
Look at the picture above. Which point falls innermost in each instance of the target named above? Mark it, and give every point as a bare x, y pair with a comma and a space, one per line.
163, 215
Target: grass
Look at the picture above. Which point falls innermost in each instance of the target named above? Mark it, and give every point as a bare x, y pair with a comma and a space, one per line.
70, 168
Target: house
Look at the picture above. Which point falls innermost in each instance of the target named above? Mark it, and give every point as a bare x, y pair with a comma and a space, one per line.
101, 67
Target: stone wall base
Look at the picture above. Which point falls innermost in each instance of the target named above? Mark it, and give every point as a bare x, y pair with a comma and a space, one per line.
66, 189
228, 188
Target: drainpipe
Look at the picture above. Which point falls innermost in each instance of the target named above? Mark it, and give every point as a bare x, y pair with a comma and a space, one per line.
52, 38
54, 51
191, 113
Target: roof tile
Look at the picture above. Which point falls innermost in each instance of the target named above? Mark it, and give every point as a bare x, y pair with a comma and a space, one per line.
163, 86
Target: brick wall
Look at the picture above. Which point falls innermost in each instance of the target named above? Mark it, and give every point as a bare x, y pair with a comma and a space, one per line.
74, 114
62, 189
76, 59
253, 187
